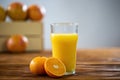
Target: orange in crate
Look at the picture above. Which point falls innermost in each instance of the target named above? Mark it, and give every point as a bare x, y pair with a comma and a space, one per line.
54, 67
17, 43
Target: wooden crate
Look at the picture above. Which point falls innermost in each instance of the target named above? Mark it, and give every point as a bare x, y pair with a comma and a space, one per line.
32, 30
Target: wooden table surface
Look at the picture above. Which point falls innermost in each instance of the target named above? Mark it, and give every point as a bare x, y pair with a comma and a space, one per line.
92, 64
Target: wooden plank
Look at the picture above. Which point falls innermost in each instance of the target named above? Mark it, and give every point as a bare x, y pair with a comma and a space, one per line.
25, 28
34, 44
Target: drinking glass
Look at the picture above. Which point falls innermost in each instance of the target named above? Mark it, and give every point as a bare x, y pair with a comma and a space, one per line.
64, 37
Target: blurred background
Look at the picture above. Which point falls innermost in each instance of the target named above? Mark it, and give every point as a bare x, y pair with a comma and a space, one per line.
99, 20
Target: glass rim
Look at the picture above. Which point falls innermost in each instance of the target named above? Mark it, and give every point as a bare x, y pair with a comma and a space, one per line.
65, 24
71, 25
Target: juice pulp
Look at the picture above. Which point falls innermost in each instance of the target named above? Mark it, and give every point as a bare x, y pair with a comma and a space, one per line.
64, 48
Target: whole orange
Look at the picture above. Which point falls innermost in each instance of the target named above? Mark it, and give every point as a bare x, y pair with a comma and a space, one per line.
17, 11
37, 65
17, 43
2, 14
36, 13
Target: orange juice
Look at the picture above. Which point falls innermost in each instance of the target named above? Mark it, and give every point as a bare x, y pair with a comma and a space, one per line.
64, 48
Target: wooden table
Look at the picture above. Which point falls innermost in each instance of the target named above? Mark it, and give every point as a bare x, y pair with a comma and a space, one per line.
92, 64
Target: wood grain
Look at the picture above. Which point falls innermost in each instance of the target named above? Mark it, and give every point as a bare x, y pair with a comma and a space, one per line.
91, 65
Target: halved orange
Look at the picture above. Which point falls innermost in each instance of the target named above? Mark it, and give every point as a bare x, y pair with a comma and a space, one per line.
54, 67
37, 65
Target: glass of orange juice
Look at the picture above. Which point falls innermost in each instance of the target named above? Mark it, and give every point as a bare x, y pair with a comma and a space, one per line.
64, 37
